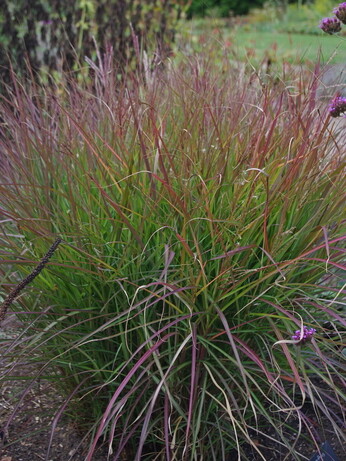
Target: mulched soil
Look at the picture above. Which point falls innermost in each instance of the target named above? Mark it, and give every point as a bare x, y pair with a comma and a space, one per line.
30, 430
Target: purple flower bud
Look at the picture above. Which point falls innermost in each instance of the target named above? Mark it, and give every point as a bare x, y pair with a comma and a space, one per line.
337, 106
330, 25
340, 12
307, 335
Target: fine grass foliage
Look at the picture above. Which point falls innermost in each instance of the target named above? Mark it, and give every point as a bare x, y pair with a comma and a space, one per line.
201, 212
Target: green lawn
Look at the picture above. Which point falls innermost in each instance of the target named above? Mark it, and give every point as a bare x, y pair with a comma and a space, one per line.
293, 47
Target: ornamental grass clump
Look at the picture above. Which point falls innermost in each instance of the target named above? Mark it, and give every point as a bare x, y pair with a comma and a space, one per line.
202, 218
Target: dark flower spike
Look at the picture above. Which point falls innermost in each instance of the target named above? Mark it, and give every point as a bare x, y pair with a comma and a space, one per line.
330, 25
337, 107
16, 291
340, 12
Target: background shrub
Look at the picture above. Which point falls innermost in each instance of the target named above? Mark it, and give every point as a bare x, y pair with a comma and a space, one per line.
225, 7
56, 35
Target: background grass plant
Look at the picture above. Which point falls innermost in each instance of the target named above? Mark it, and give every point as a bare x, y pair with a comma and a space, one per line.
201, 209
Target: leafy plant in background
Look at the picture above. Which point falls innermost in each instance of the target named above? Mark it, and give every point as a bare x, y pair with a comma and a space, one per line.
323, 6
56, 35
203, 224
223, 7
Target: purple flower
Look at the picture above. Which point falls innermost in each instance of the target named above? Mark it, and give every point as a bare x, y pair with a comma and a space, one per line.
340, 12
330, 25
337, 107
307, 335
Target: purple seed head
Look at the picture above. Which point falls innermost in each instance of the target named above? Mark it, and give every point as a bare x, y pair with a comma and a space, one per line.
340, 12
330, 25
307, 335
337, 107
